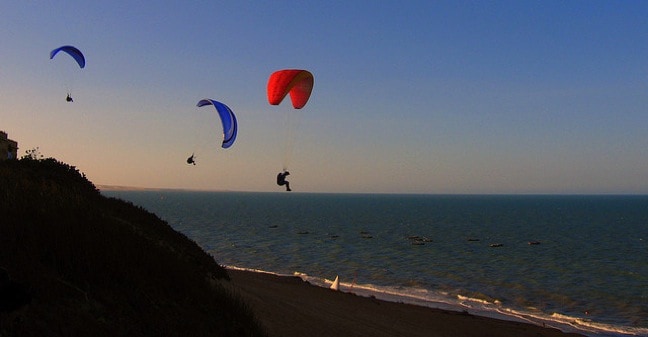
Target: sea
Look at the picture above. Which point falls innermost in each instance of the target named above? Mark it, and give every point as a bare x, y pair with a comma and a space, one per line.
575, 262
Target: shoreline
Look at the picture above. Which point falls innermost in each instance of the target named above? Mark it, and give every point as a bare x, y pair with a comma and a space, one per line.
288, 306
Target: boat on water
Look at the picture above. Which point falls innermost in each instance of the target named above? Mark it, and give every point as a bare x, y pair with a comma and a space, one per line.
336, 283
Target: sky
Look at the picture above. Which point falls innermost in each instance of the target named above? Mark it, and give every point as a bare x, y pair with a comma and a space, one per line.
435, 97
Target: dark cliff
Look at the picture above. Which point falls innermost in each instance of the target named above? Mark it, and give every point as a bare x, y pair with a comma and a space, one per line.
73, 262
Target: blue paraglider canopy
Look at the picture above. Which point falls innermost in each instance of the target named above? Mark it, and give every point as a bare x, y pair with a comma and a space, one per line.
227, 119
72, 51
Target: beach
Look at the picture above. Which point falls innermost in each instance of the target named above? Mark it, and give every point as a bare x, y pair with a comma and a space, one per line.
288, 306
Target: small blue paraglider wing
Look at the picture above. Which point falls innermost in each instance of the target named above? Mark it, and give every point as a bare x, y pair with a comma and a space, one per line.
230, 126
72, 51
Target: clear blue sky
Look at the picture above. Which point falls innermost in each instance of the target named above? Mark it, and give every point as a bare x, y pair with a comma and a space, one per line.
409, 97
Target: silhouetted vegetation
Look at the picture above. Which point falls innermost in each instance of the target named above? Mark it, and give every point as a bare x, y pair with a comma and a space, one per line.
74, 263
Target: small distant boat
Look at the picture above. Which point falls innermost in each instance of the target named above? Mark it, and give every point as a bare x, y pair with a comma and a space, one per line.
534, 242
495, 245
418, 240
336, 283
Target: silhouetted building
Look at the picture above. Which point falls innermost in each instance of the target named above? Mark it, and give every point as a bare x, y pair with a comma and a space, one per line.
8, 147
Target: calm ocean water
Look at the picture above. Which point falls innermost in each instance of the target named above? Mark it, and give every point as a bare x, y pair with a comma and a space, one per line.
587, 269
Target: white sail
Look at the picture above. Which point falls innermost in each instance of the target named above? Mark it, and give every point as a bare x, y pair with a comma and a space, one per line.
336, 283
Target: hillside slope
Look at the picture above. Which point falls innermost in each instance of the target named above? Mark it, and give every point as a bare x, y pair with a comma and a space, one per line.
73, 262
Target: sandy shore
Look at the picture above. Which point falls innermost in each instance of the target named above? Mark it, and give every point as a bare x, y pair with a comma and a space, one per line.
288, 306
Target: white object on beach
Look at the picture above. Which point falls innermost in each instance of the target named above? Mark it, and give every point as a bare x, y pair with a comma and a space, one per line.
336, 283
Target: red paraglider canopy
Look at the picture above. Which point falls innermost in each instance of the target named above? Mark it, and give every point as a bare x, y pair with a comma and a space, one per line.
299, 83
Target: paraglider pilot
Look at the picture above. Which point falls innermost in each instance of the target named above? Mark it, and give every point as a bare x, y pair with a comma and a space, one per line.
191, 160
281, 180
69, 98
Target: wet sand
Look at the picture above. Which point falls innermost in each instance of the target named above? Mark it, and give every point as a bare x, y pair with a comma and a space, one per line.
288, 306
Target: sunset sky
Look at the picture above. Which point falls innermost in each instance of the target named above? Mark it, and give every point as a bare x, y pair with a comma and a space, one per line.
409, 96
